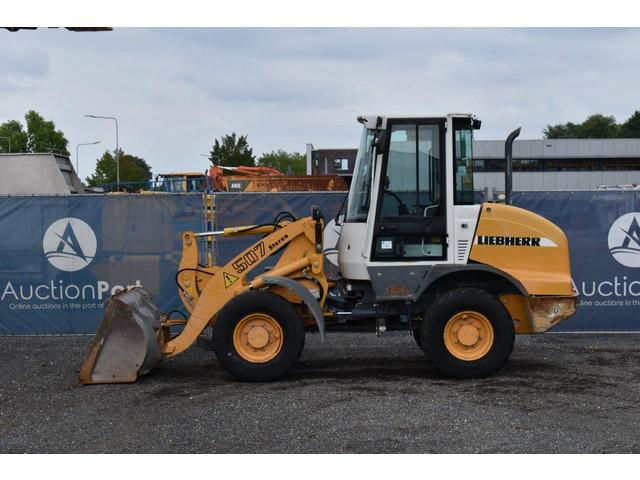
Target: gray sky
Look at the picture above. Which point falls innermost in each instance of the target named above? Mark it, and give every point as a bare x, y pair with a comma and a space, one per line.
175, 90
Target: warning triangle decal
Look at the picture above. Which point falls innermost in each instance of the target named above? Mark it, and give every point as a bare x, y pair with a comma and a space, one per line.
229, 279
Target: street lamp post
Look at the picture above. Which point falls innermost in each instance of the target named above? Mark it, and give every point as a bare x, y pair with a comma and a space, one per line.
9, 139
77, 163
117, 147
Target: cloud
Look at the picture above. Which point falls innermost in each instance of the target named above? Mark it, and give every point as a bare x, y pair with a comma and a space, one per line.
22, 68
175, 90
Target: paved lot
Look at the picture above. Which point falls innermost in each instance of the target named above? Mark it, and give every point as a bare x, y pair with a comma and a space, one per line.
357, 393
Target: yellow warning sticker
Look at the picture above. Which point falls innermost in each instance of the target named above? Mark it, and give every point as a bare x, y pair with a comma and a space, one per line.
229, 279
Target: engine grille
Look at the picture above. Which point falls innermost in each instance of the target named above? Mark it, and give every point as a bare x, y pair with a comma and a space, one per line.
461, 250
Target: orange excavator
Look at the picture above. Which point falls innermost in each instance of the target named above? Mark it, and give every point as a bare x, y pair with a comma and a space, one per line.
270, 179
248, 179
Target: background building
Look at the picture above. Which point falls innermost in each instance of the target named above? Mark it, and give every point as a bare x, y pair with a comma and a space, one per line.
539, 165
565, 164
331, 161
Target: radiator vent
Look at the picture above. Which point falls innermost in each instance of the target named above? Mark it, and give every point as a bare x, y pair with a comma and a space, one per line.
461, 250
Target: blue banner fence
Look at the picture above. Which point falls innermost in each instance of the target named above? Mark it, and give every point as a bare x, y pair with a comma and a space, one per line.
62, 257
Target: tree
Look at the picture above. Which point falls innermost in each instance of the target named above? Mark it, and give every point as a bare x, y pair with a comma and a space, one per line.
596, 126
40, 136
631, 128
14, 138
132, 169
567, 130
232, 151
43, 136
291, 163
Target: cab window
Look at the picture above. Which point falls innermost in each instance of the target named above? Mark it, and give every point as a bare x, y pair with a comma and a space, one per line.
463, 162
411, 184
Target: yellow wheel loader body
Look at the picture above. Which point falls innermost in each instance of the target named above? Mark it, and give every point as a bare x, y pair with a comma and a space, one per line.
415, 252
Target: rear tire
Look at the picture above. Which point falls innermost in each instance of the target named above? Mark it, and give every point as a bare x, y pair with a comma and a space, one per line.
467, 333
258, 336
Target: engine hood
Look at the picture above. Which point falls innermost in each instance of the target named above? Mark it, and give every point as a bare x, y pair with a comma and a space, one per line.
525, 245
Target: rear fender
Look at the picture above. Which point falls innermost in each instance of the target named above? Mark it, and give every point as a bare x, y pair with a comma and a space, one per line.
469, 273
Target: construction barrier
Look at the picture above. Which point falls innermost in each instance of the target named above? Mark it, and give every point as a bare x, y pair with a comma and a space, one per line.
62, 257
603, 228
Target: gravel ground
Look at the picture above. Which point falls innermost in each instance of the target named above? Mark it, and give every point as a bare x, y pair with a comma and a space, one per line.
357, 393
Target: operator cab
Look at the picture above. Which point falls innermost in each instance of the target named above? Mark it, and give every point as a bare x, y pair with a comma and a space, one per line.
411, 192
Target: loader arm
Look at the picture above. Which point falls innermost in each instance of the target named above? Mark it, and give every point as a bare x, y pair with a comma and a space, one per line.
206, 290
134, 335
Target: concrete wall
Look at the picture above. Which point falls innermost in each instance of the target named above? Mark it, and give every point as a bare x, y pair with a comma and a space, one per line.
37, 174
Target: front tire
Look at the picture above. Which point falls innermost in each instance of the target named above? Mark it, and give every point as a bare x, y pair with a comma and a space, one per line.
467, 333
258, 336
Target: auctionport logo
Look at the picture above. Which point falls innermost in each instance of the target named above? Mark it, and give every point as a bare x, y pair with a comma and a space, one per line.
69, 244
624, 240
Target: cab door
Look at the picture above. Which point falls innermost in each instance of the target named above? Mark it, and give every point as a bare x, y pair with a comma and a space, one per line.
410, 221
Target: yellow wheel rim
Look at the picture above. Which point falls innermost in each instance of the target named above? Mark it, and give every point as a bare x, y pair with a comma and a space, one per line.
258, 338
468, 335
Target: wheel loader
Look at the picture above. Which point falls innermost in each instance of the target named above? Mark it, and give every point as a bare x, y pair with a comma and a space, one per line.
415, 254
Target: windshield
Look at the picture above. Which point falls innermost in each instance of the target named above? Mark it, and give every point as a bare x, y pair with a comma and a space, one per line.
360, 191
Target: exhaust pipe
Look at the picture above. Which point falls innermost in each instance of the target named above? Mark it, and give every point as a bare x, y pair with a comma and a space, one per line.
508, 165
